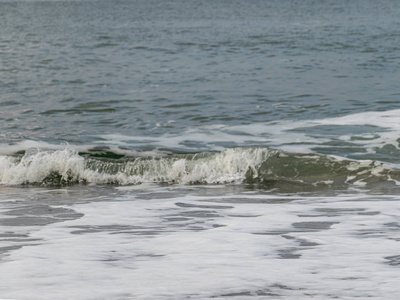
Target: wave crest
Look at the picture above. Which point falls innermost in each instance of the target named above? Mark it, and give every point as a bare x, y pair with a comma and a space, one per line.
261, 166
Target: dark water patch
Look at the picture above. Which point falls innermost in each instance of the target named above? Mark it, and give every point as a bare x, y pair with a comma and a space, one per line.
289, 253
369, 213
202, 214
43, 210
28, 221
114, 257
13, 235
300, 241
300, 227
118, 229
257, 293
333, 212
38, 215
393, 225
313, 226
274, 291
393, 260
373, 233
9, 103
177, 218
188, 205
9, 248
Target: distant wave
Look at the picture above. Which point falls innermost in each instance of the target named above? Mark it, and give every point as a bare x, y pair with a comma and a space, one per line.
263, 166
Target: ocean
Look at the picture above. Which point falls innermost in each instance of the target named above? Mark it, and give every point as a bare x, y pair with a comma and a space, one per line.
199, 149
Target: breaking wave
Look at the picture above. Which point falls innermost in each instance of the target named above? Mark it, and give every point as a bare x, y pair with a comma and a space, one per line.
263, 166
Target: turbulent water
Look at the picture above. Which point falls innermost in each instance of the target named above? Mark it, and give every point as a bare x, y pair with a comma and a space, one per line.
199, 149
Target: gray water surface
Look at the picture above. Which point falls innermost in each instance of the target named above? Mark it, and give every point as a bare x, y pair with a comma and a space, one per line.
72, 69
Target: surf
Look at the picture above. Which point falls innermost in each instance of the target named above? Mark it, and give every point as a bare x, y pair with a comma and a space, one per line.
260, 166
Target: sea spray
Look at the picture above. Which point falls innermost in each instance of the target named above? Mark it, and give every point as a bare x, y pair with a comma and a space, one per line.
229, 166
37, 166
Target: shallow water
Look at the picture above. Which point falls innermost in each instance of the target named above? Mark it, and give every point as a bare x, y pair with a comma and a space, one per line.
199, 149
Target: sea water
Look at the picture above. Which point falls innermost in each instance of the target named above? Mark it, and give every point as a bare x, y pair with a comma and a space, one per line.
206, 149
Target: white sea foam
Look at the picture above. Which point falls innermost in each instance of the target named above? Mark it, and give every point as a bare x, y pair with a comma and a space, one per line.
139, 246
6, 149
24, 145
292, 136
283, 134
